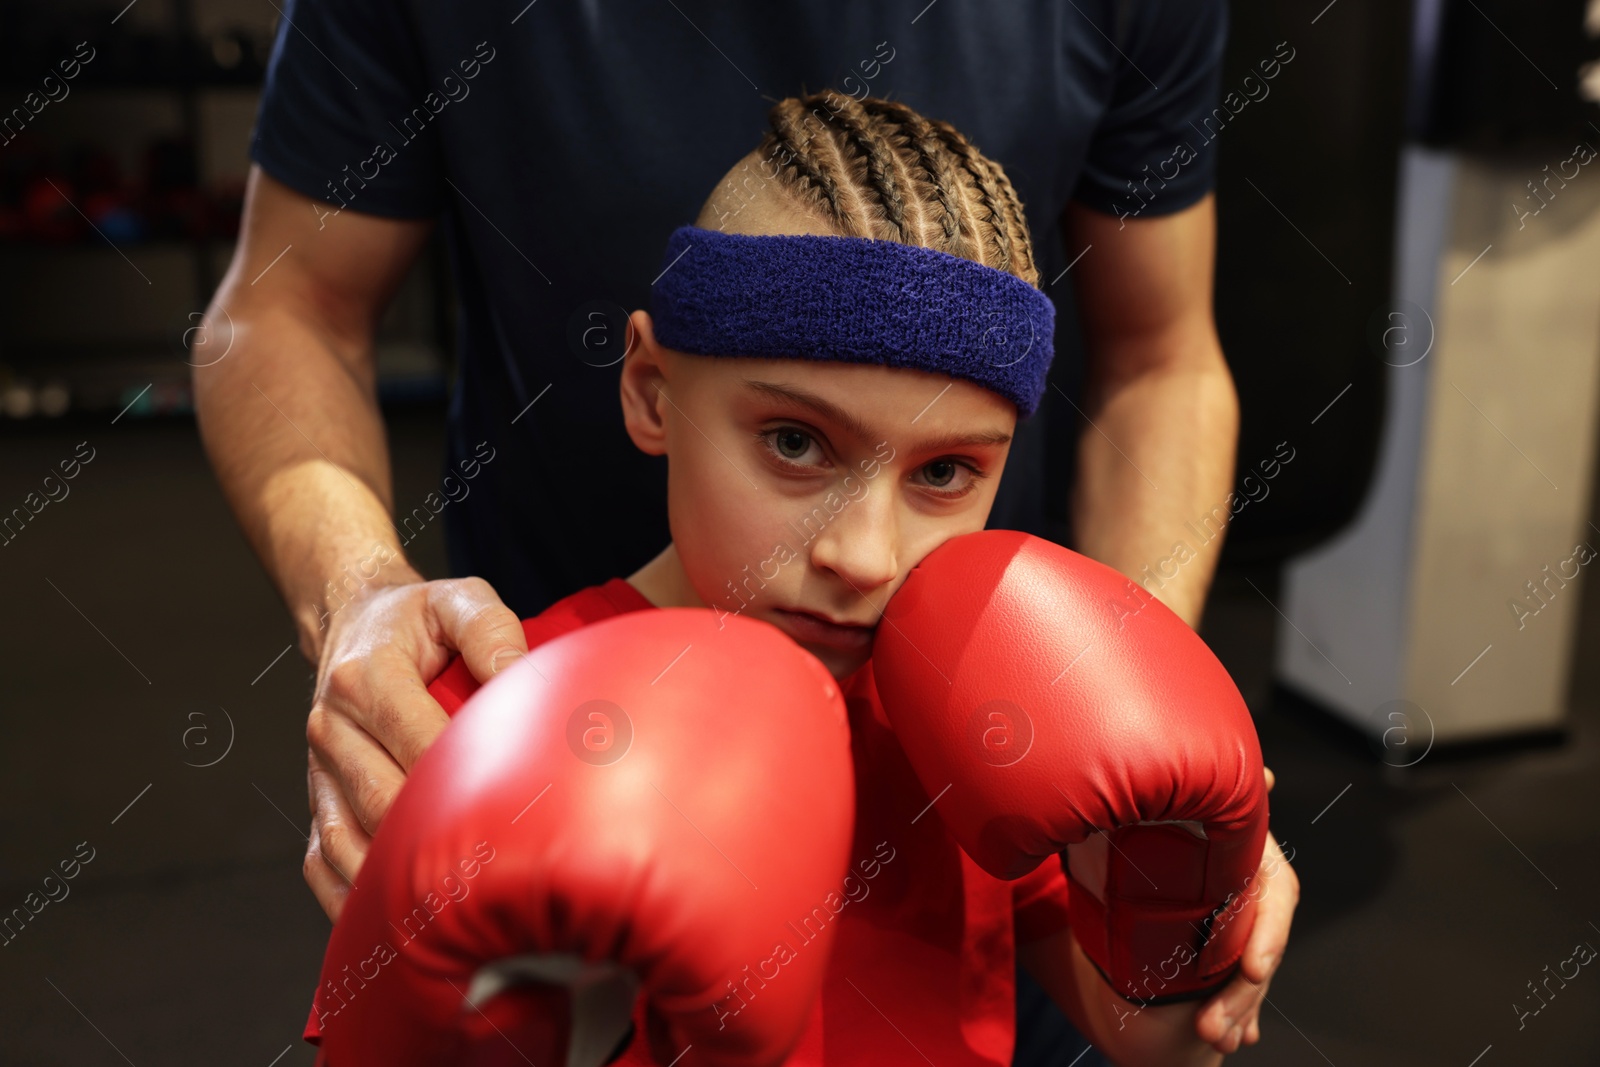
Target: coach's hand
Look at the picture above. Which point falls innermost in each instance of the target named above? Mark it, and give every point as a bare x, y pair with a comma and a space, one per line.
1232, 1017
372, 717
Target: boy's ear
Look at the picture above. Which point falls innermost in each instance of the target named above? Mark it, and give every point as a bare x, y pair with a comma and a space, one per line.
644, 375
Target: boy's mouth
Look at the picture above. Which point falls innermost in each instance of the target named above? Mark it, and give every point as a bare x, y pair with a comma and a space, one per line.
810, 628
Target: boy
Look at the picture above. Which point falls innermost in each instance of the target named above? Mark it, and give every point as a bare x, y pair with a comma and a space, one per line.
832, 412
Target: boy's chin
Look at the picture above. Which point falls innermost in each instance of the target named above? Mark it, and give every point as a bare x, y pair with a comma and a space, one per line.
840, 664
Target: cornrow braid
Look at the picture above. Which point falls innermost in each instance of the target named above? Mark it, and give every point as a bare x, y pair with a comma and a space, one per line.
877, 168
1024, 248
870, 146
803, 170
937, 166
997, 233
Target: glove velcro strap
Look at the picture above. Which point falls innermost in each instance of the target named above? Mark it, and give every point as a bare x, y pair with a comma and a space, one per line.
1141, 911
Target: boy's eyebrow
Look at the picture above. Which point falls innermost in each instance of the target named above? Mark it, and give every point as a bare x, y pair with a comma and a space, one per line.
831, 411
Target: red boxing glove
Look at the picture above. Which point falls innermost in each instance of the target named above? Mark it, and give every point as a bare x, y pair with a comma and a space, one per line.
1042, 697
638, 805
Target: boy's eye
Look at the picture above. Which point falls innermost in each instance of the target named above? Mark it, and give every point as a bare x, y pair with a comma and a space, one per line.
791, 446
951, 479
941, 472
792, 443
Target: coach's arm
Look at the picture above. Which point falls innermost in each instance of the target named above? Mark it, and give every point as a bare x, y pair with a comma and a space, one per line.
1156, 452
285, 394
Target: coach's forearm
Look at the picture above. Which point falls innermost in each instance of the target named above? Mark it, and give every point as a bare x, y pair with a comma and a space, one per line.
290, 421
1154, 463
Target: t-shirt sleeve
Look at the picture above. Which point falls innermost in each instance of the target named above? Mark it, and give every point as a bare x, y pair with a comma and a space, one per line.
452, 688
312, 1034
1039, 902
342, 74
1164, 85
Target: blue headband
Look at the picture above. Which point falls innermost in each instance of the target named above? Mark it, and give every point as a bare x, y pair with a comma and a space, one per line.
855, 300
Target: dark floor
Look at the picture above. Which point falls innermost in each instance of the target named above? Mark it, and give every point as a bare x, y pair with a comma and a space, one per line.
139, 634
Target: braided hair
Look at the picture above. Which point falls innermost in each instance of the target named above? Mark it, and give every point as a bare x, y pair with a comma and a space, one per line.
876, 168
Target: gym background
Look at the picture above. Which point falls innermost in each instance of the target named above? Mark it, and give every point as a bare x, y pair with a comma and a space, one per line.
1408, 290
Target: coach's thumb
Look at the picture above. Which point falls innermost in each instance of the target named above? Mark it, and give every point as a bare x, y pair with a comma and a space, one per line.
477, 623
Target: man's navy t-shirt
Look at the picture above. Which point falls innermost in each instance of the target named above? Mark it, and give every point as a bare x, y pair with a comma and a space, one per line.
561, 143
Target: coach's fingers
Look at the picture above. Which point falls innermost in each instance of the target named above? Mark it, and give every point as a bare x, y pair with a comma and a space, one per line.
1274, 914
327, 885
471, 618
1226, 1017
363, 729
375, 670
337, 845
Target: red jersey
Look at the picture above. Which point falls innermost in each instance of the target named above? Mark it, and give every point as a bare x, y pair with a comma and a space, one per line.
924, 959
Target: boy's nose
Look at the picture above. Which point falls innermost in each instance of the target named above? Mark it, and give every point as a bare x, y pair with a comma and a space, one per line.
860, 543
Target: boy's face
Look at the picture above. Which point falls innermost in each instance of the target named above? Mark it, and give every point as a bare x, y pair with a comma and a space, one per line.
801, 491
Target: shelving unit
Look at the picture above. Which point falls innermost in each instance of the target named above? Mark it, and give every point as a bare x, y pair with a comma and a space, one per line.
100, 313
